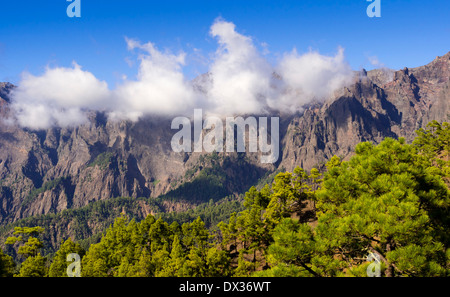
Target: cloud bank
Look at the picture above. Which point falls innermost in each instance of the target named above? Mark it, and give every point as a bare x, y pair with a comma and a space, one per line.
240, 80
59, 97
160, 87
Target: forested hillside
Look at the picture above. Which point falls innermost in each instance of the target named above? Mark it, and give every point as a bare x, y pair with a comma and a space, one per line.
389, 202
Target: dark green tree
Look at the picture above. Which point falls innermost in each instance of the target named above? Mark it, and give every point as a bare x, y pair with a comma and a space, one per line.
28, 236
34, 264
7, 265
119, 242
380, 202
434, 143
59, 265
252, 230
175, 264
217, 263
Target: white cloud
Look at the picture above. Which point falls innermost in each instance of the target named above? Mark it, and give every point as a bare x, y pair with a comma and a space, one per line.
160, 87
243, 81
310, 76
240, 80
58, 97
241, 76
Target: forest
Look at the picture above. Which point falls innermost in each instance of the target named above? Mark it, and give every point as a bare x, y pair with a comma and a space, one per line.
383, 212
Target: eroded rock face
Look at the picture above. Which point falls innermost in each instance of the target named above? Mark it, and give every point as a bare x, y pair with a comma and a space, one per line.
48, 171
97, 161
373, 108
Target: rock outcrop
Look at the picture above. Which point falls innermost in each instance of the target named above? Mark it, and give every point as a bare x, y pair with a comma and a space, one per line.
373, 108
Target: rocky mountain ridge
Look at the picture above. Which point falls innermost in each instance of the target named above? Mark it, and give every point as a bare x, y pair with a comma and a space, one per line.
44, 172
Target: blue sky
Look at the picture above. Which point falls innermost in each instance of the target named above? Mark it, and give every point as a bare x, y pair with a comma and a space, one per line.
35, 34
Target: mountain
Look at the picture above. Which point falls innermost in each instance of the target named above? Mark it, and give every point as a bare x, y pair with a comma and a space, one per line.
47, 172
381, 103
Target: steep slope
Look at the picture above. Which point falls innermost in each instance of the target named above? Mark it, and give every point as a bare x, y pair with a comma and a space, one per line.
48, 171
44, 172
373, 108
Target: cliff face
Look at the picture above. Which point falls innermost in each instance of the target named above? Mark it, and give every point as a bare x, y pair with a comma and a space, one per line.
381, 103
48, 171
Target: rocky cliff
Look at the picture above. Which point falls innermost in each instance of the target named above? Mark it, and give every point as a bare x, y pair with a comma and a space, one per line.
48, 171
380, 103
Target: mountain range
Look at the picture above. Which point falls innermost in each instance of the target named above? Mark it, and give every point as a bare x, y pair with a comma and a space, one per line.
49, 171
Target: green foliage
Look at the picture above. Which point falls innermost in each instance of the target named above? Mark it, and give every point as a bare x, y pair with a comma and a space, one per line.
50, 185
296, 251
33, 267
86, 223
434, 144
102, 160
59, 265
390, 201
27, 236
384, 200
293, 247
250, 232
205, 186
211, 213
34, 264
7, 265
215, 176
288, 192
155, 248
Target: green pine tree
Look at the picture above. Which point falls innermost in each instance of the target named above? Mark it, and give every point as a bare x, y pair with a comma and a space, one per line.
381, 202
34, 264
7, 265
59, 265
217, 263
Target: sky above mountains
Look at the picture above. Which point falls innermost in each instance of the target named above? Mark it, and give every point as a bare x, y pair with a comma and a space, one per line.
37, 33
130, 49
